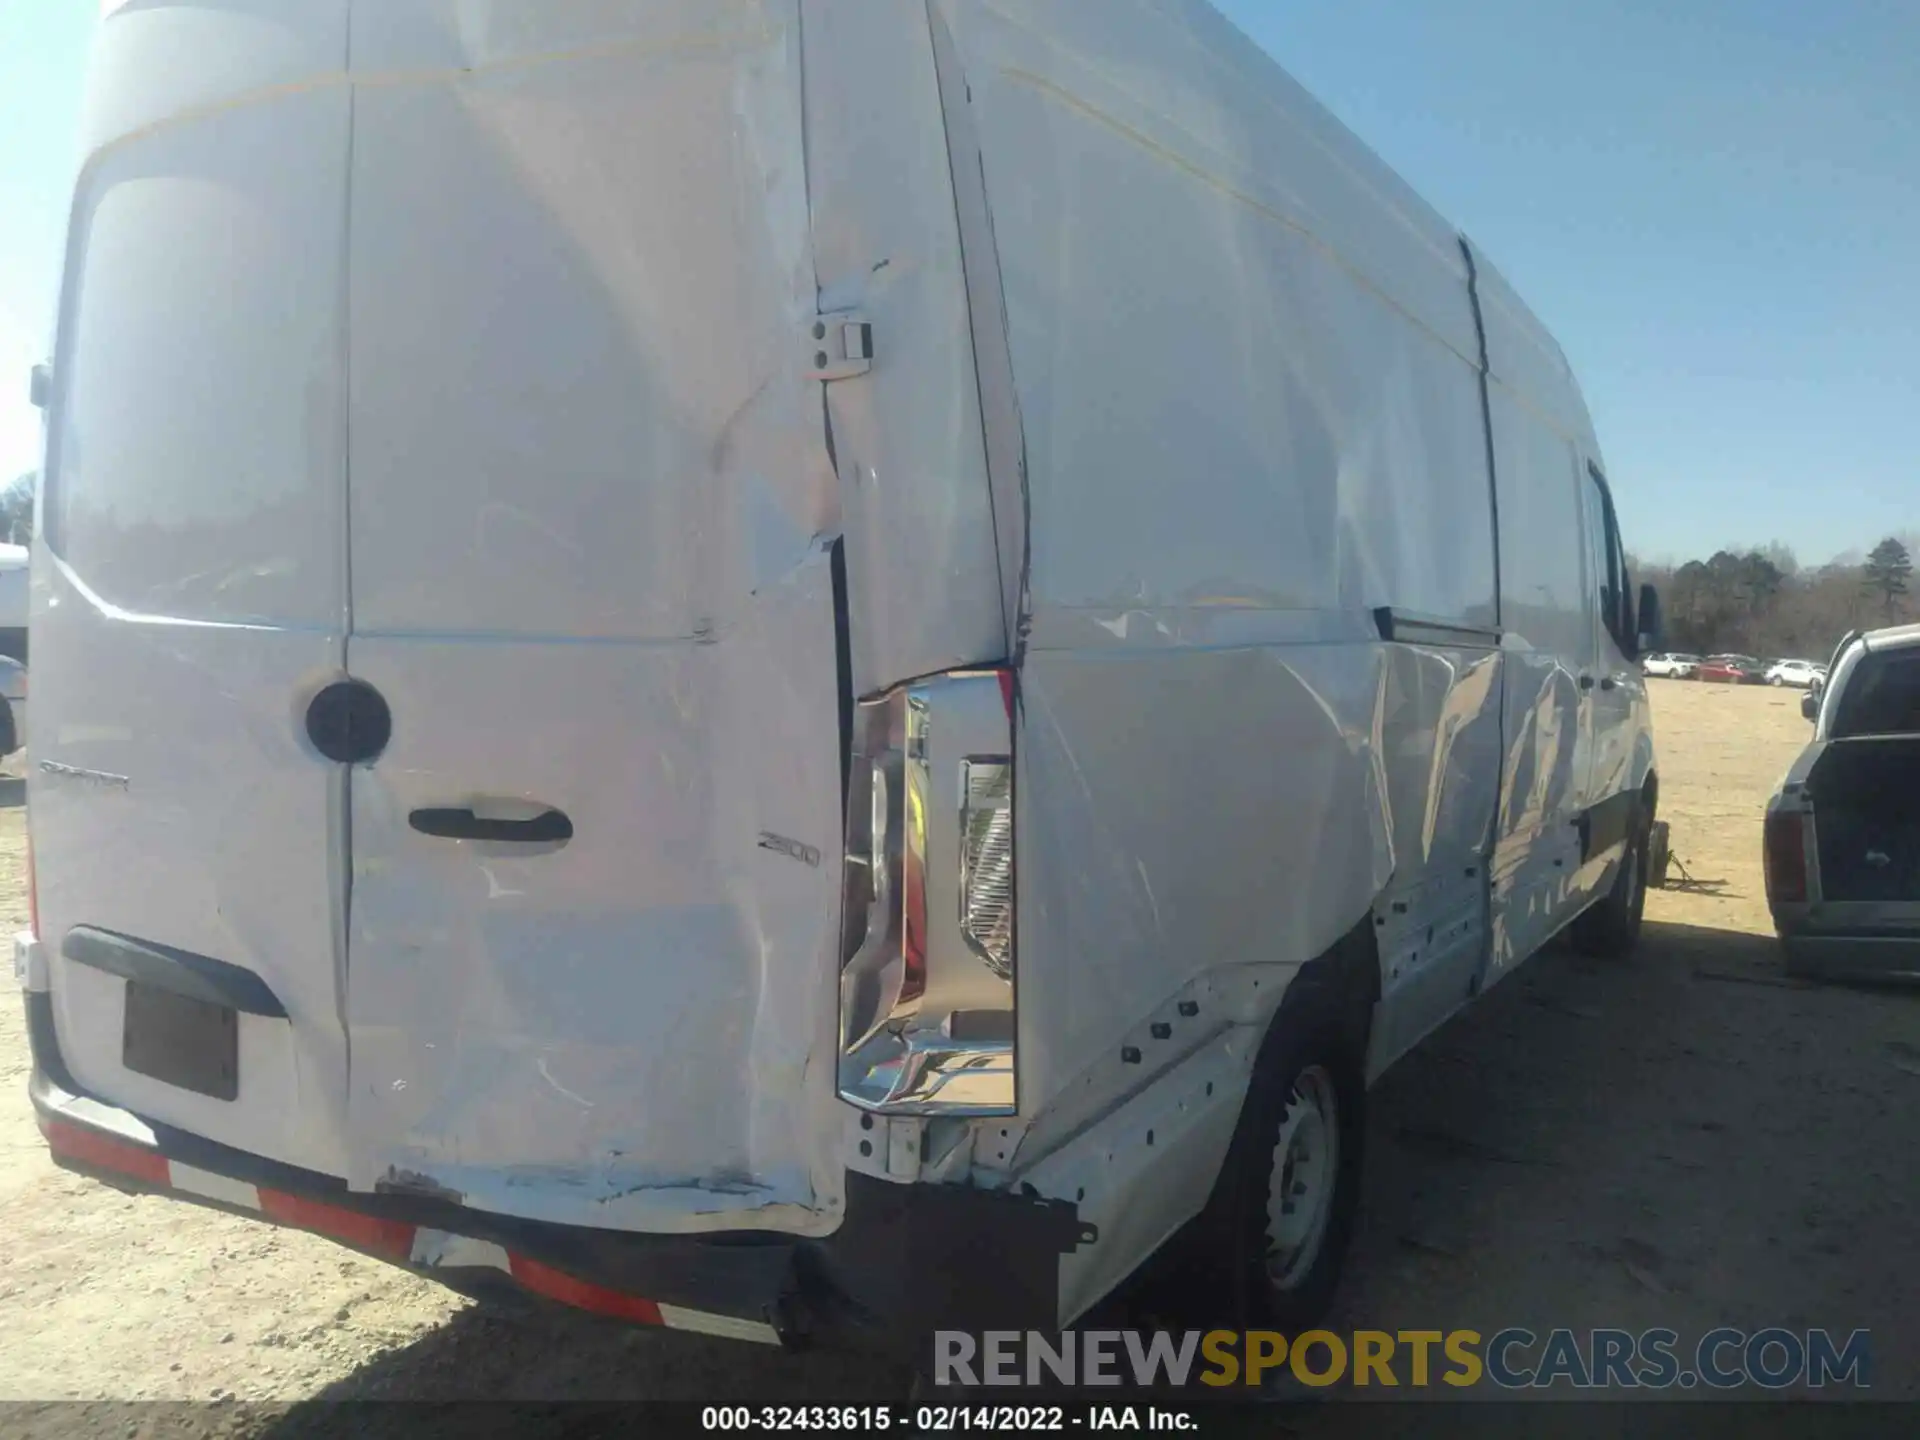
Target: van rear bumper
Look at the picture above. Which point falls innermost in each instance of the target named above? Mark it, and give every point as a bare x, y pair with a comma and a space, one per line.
907, 1259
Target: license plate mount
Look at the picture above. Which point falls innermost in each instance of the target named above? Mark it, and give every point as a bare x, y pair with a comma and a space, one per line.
182, 1041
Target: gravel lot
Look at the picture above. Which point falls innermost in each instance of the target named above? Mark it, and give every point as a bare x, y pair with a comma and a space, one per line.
1683, 1139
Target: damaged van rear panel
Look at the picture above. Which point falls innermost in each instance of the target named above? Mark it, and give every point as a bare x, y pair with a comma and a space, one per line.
589, 578
473, 345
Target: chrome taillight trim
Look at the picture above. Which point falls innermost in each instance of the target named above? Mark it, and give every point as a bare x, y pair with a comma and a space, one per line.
927, 1024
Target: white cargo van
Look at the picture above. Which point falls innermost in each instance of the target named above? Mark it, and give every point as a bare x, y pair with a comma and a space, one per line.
796, 667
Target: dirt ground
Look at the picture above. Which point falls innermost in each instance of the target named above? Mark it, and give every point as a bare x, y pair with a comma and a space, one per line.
1681, 1139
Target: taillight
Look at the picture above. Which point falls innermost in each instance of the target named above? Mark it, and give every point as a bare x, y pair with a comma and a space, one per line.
928, 937
1786, 857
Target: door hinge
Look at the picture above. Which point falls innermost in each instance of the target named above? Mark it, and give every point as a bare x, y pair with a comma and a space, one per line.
838, 347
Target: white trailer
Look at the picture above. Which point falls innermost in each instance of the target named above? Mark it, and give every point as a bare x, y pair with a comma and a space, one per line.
922, 634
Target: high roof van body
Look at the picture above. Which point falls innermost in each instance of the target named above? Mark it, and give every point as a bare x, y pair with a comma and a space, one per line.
799, 667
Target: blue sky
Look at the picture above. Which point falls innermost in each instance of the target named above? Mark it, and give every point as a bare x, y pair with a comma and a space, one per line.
42, 46
1714, 204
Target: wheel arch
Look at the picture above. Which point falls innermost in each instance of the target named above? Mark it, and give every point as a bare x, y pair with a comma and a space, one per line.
1348, 973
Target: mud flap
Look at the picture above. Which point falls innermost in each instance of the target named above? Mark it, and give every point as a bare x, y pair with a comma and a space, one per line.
913, 1258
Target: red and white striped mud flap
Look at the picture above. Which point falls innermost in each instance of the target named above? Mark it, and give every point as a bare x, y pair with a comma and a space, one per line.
392, 1240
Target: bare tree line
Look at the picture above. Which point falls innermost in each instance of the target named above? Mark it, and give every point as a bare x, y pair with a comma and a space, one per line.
1762, 602
16, 511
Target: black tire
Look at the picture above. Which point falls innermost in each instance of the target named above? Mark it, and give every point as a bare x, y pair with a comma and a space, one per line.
1611, 927
1659, 855
1313, 1057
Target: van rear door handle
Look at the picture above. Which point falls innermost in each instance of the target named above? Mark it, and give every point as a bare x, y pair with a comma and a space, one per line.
545, 829
1586, 682
1609, 683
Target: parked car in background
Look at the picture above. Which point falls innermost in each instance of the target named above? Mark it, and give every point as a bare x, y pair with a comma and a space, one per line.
1671, 667
13, 602
13, 705
1842, 839
1803, 673
1731, 670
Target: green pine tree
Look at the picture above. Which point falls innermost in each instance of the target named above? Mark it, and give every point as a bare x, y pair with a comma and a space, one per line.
1886, 573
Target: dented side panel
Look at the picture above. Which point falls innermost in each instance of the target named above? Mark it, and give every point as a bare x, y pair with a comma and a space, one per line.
1550, 629
1246, 384
1235, 816
1266, 693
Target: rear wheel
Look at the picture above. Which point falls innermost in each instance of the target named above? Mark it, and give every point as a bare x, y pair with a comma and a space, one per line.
1303, 1178
1268, 1249
1612, 927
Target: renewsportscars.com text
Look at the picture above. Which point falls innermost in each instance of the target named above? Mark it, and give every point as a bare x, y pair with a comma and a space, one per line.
1513, 1359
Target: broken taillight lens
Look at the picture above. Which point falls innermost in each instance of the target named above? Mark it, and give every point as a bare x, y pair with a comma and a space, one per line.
927, 958
986, 861
1786, 857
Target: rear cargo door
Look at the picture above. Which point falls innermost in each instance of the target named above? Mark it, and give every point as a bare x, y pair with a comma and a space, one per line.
190, 582
595, 873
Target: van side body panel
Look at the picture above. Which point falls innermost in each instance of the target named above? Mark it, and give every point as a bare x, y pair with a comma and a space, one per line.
1571, 746
1248, 378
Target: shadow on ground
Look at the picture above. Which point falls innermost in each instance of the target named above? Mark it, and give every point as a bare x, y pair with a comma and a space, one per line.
1685, 1138
543, 1352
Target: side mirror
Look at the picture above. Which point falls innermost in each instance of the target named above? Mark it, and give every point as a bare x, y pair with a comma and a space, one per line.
40, 387
1810, 704
1653, 629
